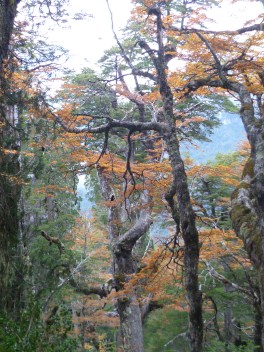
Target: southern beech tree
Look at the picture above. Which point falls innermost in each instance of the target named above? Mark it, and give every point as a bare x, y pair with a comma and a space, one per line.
130, 131
172, 32
164, 124
128, 219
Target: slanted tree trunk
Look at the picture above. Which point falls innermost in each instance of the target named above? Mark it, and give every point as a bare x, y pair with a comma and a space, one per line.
180, 189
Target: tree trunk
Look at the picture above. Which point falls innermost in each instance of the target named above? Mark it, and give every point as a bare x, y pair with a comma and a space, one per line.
191, 240
124, 266
248, 199
7, 16
180, 188
258, 327
10, 276
131, 324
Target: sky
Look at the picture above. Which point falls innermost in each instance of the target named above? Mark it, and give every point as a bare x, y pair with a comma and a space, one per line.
88, 39
231, 15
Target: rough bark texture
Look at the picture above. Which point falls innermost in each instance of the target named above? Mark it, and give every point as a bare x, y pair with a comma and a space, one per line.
10, 279
248, 199
244, 216
7, 16
124, 266
191, 241
131, 324
180, 188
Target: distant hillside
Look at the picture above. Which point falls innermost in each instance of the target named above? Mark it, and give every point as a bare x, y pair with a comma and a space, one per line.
83, 193
225, 139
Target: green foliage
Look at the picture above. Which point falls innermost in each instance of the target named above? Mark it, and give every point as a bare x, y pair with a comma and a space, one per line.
230, 305
201, 129
98, 98
218, 346
30, 334
212, 192
162, 328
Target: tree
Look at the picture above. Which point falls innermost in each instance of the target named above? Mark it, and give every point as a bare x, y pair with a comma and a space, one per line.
123, 235
182, 212
9, 166
131, 133
191, 44
16, 96
236, 69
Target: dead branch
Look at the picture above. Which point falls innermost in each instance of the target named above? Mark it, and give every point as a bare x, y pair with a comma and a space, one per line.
101, 291
254, 27
54, 240
226, 281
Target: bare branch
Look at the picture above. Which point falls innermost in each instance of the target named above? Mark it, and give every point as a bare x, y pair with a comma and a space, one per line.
123, 53
126, 242
64, 281
138, 101
132, 126
55, 240
103, 151
128, 166
149, 51
182, 335
216, 325
217, 61
96, 290
254, 27
226, 281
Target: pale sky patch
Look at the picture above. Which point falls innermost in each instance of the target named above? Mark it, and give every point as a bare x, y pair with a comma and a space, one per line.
86, 40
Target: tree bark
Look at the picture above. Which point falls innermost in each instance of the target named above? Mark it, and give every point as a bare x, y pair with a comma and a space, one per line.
248, 199
190, 236
10, 276
7, 16
124, 266
180, 188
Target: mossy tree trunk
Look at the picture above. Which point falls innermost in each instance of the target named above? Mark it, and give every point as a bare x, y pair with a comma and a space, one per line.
248, 199
7, 16
10, 279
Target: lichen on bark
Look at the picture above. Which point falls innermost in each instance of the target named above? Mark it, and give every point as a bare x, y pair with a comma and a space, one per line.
244, 216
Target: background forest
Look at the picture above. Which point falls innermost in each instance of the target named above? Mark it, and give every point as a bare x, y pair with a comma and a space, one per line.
132, 195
